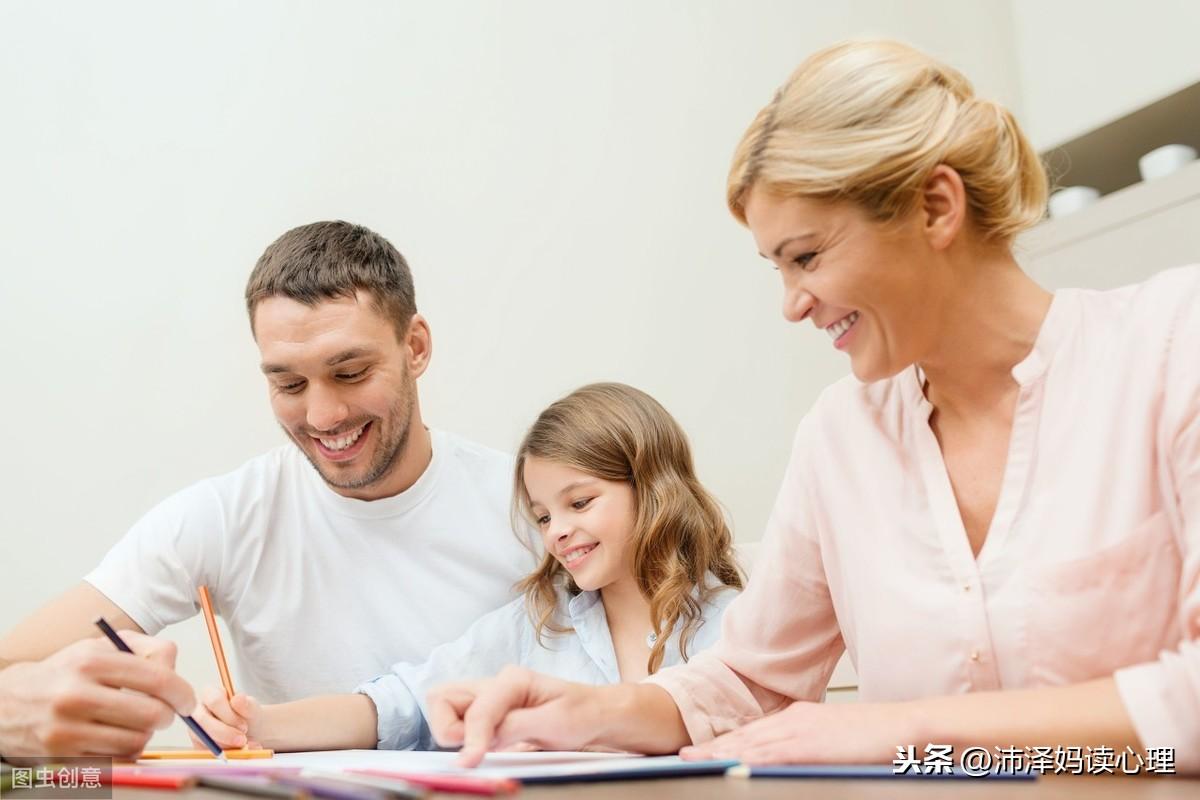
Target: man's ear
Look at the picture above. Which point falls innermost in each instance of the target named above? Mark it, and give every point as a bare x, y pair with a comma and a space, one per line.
943, 206
418, 343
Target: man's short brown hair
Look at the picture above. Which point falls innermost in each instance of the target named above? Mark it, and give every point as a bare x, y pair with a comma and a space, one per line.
327, 260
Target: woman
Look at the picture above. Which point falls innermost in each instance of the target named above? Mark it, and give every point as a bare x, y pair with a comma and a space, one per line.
998, 516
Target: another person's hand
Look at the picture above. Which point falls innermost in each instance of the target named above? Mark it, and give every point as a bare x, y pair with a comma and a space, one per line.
231, 722
74, 703
816, 733
517, 705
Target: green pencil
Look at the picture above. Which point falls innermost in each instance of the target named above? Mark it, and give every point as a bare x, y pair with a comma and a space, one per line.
6, 778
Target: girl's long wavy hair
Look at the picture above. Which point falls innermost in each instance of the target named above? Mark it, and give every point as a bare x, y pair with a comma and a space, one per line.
617, 433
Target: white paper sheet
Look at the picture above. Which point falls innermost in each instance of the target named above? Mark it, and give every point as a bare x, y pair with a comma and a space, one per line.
506, 765
516, 765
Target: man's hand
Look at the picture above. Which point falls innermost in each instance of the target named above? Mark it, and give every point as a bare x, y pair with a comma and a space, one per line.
74, 703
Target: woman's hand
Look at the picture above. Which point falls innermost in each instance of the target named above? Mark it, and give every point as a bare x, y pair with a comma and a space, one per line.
516, 706
231, 722
817, 733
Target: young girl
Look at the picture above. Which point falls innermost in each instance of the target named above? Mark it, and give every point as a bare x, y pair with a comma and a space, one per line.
638, 569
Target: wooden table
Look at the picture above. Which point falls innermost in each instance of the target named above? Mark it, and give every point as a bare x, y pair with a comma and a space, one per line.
1044, 788
1051, 787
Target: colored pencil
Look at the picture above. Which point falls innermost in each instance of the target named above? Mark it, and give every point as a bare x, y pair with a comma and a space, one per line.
334, 789
193, 726
393, 786
257, 785
206, 768
214, 636
240, 754
460, 784
152, 780
861, 771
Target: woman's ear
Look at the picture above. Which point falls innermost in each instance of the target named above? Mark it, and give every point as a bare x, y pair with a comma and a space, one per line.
943, 206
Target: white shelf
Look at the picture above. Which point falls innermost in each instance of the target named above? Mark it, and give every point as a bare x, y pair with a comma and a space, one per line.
1121, 208
1106, 157
1124, 237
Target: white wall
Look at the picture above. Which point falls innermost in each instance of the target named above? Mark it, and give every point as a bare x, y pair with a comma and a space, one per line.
553, 171
1083, 64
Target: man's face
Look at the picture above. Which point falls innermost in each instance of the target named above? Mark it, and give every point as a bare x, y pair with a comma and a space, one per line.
342, 386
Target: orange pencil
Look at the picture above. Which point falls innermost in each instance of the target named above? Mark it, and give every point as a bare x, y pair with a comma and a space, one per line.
240, 753
215, 636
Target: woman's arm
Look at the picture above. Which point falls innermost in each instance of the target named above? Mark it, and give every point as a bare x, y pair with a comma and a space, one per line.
1085, 714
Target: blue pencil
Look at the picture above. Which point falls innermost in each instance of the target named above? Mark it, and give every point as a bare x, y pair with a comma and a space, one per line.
213, 747
880, 771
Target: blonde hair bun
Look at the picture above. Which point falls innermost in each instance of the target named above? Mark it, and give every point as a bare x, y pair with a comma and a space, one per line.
868, 120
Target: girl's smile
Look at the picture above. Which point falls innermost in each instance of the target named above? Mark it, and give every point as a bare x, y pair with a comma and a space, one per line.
585, 522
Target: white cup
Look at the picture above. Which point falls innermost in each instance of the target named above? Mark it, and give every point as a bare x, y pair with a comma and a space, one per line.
1165, 160
1072, 199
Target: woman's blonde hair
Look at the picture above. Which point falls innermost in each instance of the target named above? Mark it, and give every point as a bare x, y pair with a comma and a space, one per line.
868, 121
617, 433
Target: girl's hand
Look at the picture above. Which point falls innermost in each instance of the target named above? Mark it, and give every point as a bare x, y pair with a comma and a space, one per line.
817, 733
231, 722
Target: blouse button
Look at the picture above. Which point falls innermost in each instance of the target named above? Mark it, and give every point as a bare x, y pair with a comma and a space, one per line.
974, 655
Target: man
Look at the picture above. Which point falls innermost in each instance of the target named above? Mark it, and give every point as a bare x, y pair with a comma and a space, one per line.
370, 541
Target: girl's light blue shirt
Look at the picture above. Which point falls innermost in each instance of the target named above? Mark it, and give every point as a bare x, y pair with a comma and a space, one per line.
506, 636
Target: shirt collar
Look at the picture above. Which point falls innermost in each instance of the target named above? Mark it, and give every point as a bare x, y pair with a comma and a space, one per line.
1059, 320
384, 507
586, 614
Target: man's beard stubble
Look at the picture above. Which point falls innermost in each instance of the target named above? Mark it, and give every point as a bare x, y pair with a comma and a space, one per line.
387, 452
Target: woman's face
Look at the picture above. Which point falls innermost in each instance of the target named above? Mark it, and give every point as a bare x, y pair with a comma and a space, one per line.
873, 289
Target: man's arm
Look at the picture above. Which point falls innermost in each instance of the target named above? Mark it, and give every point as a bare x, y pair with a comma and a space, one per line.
68, 618
62, 695
75, 703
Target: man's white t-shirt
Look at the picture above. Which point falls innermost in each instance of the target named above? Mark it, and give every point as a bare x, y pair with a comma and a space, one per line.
321, 592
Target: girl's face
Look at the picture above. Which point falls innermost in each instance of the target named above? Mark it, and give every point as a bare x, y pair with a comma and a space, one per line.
875, 290
586, 522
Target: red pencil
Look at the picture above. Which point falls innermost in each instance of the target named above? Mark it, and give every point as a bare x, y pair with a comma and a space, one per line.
461, 784
155, 780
